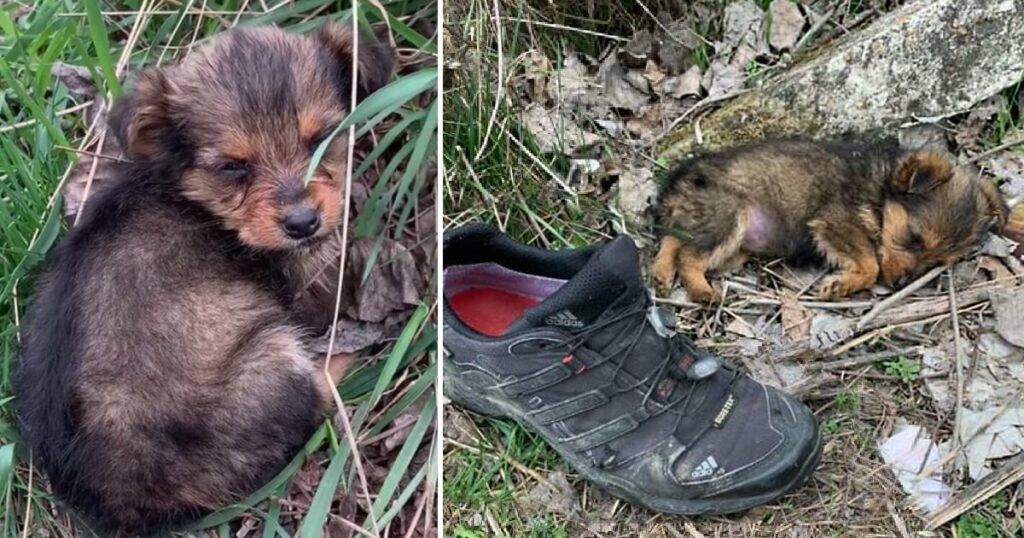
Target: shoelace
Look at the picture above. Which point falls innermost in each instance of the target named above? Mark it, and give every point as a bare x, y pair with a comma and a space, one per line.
679, 349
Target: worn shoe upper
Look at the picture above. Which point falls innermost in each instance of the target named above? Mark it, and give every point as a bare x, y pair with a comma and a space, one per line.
588, 362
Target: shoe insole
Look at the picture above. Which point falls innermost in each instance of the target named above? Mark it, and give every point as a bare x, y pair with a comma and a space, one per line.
489, 310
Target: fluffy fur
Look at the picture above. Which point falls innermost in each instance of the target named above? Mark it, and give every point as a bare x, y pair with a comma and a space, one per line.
163, 372
870, 210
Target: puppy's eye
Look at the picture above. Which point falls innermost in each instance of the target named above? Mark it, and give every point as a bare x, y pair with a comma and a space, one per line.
319, 139
234, 169
915, 241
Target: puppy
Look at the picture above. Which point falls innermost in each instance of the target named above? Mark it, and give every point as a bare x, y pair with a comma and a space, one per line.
869, 209
164, 372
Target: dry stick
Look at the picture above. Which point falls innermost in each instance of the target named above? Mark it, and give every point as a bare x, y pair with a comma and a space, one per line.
501, 84
28, 505
978, 492
956, 356
997, 149
899, 296
869, 358
342, 411
567, 28
88, 180
561, 183
29, 123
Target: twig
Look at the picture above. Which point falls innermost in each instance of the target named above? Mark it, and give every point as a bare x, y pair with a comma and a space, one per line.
814, 28
342, 411
956, 356
978, 492
28, 123
899, 296
567, 29
997, 149
869, 358
28, 505
501, 84
700, 104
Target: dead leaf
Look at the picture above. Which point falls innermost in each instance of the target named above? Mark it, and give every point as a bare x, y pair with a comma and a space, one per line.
686, 84
78, 79
828, 330
654, 75
555, 132
637, 52
573, 85
350, 336
619, 92
1008, 306
787, 23
536, 68
995, 268
394, 284
636, 192
743, 32
970, 128
722, 79
796, 318
675, 50
554, 495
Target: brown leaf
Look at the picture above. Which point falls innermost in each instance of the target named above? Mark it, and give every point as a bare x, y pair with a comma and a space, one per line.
84, 180
796, 318
394, 283
77, 78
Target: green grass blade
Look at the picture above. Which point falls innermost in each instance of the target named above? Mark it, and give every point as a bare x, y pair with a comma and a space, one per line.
98, 31
403, 460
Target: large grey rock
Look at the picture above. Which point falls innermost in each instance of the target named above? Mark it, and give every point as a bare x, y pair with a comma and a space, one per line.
925, 60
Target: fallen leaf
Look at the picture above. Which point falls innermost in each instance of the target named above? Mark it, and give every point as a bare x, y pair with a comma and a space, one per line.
796, 318
554, 495
675, 49
350, 336
688, 83
997, 432
636, 192
78, 79
572, 85
637, 52
995, 268
740, 327
743, 32
619, 92
536, 68
555, 132
828, 330
394, 283
998, 246
654, 75
970, 128
1008, 306
722, 79
787, 23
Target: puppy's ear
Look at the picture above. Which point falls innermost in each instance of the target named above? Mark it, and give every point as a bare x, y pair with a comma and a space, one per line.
922, 171
375, 61
140, 119
996, 206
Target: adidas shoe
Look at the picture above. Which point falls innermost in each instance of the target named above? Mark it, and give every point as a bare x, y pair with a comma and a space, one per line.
569, 344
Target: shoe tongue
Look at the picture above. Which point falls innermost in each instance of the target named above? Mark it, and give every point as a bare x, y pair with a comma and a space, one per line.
611, 272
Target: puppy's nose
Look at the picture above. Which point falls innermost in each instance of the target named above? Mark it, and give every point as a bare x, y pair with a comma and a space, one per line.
301, 223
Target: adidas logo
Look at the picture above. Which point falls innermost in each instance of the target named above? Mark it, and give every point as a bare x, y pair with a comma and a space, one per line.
705, 469
564, 319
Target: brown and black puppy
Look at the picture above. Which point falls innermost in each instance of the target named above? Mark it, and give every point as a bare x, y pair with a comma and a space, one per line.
869, 209
163, 372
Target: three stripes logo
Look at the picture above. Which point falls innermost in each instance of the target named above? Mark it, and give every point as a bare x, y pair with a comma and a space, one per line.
705, 469
564, 319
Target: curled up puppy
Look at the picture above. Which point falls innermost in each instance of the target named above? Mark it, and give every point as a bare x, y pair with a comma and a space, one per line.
870, 210
164, 371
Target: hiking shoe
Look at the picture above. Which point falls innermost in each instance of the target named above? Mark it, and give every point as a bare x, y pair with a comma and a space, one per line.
569, 344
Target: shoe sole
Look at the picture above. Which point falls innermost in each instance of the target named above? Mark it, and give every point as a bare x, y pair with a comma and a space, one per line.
479, 402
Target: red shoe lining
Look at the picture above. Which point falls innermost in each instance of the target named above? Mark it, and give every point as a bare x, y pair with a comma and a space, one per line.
489, 310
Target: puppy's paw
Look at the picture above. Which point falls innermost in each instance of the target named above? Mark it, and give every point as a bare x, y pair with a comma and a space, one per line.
703, 294
664, 275
836, 287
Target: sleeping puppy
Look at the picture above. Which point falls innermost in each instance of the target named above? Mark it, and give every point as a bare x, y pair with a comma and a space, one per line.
870, 210
163, 372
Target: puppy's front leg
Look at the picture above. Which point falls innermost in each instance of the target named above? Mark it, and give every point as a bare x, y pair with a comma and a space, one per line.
848, 246
663, 270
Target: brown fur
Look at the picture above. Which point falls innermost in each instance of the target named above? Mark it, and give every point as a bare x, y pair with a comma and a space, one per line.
164, 371
871, 211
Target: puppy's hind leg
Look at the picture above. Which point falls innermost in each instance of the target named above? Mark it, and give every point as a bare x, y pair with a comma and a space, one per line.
718, 246
663, 270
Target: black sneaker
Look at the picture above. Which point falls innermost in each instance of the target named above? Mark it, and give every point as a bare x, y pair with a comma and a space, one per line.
569, 344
